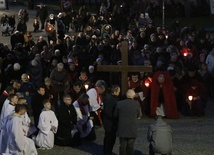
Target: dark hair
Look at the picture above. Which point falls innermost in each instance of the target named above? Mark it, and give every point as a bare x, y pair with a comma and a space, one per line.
83, 96
21, 99
67, 96
20, 107
9, 89
11, 96
45, 101
77, 83
39, 87
114, 88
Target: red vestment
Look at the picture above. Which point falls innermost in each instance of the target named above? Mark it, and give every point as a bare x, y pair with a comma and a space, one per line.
168, 95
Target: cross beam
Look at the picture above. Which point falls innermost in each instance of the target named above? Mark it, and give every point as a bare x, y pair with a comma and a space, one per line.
124, 68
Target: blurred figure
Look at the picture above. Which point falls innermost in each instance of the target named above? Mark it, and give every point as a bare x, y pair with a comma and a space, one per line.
159, 136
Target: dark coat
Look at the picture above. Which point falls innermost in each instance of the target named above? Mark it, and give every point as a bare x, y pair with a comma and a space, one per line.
127, 111
109, 104
67, 118
37, 106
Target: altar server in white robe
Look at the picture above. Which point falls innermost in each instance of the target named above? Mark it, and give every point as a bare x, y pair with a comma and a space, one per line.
47, 125
18, 143
8, 109
84, 119
95, 100
28, 128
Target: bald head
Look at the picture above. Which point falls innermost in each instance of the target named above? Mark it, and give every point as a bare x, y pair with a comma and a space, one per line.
130, 94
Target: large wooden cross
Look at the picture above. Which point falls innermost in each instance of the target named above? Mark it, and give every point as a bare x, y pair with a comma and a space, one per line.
124, 68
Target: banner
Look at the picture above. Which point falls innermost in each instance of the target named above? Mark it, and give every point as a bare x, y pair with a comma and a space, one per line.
212, 6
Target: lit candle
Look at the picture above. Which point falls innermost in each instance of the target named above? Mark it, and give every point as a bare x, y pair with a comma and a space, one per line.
166, 36
185, 54
86, 86
147, 83
190, 97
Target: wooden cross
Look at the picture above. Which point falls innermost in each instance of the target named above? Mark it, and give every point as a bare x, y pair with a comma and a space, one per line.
124, 68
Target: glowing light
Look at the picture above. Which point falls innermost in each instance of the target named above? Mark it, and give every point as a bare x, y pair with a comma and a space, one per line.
190, 97
86, 86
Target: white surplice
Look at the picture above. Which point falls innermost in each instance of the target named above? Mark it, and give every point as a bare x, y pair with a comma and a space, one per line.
82, 119
45, 137
18, 143
25, 123
7, 110
94, 99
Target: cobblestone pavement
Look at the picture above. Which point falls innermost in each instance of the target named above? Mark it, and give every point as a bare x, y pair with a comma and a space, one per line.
191, 135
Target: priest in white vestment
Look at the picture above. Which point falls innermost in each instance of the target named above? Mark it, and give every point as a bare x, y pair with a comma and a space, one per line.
8, 109
95, 100
18, 143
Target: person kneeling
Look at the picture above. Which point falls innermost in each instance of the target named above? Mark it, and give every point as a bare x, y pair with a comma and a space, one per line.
160, 137
84, 119
48, 124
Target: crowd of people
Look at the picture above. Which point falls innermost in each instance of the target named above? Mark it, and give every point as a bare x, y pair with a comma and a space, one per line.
57, 83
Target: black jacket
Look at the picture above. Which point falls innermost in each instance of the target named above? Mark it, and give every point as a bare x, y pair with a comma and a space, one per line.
109, 104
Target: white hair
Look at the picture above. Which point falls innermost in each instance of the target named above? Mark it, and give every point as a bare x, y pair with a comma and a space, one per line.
130, 94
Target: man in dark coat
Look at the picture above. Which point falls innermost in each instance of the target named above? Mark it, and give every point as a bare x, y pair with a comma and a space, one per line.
42, 13
126, 112
37, 103
109, 123
16, 37
67, 134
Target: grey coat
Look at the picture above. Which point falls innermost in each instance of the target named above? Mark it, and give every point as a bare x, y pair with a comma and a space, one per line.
160, 137
126, 112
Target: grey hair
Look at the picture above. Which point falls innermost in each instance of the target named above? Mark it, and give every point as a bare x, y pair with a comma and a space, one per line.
130, 94
100, 83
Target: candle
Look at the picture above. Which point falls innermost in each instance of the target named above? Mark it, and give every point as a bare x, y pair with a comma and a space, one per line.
190, 97
86, 86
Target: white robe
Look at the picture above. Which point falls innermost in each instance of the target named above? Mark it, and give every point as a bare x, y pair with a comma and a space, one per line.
93, 95
45, 137
82, 119
7, 110
18, 143
25, 123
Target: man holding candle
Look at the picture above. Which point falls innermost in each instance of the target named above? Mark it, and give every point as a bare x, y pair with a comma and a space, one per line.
195, 99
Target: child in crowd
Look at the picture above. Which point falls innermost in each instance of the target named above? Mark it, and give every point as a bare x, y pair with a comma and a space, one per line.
47, 125
36, 24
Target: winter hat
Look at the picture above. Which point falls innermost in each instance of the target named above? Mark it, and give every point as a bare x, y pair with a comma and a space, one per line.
16, 66
34, 63
91, 67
